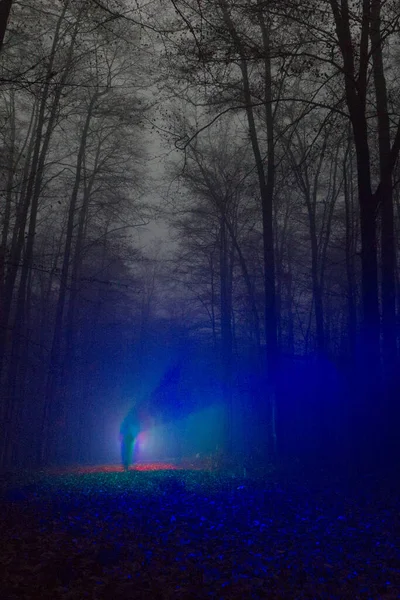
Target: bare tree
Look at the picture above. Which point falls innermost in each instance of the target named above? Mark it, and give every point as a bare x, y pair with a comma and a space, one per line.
319, 186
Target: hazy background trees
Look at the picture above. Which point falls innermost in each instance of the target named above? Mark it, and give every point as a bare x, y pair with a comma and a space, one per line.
73, 180
280, 128
311, 89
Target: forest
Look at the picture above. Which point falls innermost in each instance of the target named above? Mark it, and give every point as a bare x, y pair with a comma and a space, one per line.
200, 210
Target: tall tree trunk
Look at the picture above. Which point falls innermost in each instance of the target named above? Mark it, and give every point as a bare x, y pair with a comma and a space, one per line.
388, 253
55, 354
248, 283
5, 8
212, 310
317, 288
226, 330
267, 200
396, 198
290, 342
349, 254
77, 257
311, 201
385, 199
16, 384
356, 93
10, 176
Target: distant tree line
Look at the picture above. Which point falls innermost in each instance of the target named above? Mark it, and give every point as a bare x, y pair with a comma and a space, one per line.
282, 122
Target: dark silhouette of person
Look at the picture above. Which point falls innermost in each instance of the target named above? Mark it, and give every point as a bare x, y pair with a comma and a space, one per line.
128, 433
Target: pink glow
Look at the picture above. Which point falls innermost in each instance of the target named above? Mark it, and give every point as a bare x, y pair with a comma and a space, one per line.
115, 468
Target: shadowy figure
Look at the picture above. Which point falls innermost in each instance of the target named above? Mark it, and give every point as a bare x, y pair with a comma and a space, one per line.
128, 433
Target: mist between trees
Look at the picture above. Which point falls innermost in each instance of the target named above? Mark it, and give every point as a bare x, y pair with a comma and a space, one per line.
278, 300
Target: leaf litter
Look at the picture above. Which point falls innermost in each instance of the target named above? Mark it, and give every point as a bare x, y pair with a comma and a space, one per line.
195, 534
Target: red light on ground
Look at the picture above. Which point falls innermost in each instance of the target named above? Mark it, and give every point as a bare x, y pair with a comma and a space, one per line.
156, 466
117, 468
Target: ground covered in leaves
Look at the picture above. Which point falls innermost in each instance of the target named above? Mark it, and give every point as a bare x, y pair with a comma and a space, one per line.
194, 534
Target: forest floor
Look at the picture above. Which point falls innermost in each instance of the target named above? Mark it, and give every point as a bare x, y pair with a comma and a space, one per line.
187, 534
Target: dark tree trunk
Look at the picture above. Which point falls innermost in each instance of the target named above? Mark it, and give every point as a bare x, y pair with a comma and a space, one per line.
356, 83
267, 196
247, 280
388, 254
289, 292
226, 330
317, 291
385, 196
349, 253
5, 8
77, 264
